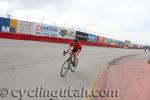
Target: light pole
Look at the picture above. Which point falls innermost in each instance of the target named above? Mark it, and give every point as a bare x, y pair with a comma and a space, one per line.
27, 17
8, 14
42, 20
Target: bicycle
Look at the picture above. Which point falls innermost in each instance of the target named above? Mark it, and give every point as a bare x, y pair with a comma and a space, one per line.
68, 65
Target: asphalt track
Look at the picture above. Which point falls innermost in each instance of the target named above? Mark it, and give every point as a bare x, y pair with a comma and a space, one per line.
27, 65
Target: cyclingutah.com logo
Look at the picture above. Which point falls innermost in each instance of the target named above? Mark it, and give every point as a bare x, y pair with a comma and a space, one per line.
56, 94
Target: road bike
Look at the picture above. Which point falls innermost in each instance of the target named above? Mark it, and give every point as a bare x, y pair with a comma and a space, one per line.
68, 64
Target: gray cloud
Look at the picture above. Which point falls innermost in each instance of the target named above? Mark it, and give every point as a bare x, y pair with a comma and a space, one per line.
34, 4
126, 17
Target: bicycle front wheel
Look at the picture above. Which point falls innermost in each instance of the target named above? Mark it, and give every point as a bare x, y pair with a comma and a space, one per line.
64, 68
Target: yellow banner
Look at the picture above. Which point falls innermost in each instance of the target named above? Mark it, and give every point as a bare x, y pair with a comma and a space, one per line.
13, 25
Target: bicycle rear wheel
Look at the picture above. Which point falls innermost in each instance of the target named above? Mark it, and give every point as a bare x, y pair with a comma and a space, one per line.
64, 68
73, 68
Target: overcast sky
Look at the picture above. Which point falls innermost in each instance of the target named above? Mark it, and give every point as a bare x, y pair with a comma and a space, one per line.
118, 19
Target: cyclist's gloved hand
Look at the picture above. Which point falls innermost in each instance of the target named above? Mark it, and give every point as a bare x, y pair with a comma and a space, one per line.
64, 53
67, 51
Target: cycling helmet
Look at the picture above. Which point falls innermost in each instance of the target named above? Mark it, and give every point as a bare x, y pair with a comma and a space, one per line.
76, 40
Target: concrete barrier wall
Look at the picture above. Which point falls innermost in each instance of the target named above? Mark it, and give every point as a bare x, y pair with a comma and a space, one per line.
24, 30
17, 36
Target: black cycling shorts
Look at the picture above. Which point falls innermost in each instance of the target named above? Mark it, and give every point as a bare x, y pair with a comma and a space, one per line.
75, 50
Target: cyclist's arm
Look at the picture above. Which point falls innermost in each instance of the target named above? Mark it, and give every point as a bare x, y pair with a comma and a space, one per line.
69, 48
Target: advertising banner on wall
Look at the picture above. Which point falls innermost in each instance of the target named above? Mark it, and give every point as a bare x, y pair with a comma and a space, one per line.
120, 43
106, 40
100, 39
82, 36
46, 30
113, 42
13, 25
110, 41
25, 27
131, 45
71, 34
92, 38
4, 24
66, 33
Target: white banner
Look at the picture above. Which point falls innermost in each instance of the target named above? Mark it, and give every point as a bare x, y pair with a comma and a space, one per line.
66, 33
46, 30
25, 27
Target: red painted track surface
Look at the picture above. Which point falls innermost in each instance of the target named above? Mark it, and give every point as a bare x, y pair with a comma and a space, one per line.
130, 77
50, 39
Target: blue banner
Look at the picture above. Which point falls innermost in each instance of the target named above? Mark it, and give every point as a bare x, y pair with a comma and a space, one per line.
4, 24
121, 43
46, 30
92, 38
114, 42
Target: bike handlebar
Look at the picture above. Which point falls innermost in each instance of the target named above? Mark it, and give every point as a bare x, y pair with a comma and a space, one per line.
64, 53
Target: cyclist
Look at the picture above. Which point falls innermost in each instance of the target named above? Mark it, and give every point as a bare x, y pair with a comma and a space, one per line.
76, 49
146, 48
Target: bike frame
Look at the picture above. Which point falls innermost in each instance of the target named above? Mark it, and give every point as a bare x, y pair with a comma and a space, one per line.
69, 61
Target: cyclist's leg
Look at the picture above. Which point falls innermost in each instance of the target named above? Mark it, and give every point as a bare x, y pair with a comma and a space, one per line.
73, 55
76, 54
